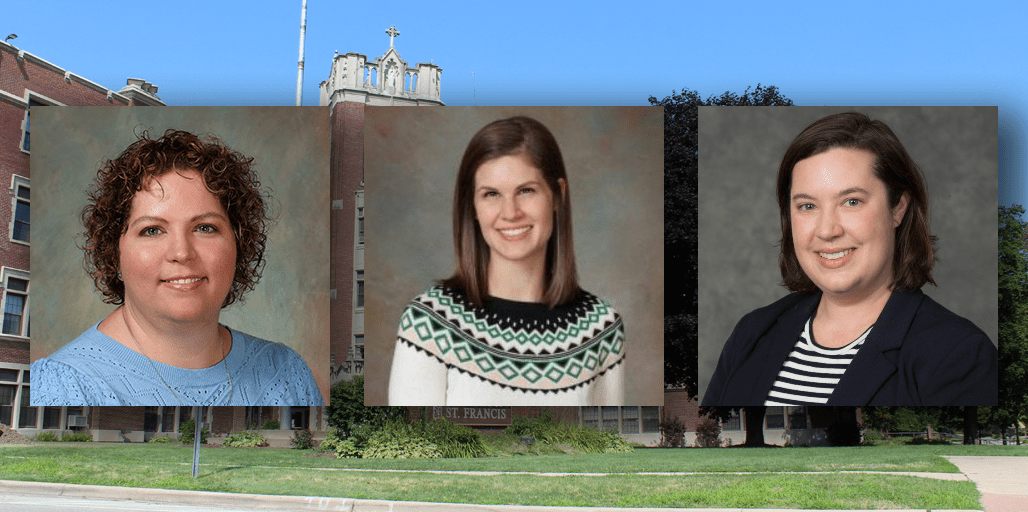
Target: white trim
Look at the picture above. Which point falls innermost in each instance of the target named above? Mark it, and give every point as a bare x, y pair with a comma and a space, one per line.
6, 272
18, 181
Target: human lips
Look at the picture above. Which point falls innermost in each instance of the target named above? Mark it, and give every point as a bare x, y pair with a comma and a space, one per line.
833, 258
184, 283
832, 254
514, 234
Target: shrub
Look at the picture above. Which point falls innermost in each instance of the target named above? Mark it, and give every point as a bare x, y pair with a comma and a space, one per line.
672, 433
708, 433
346, 449
271, 425
585, 439
245, 439
188, 430
77, 437
46, 437
347, 412
397, 439
302, 439
161, 439
453, 440
871, 435
920, 440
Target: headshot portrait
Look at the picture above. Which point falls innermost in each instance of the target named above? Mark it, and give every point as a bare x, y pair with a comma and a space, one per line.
514, 256
180, 256
848, 256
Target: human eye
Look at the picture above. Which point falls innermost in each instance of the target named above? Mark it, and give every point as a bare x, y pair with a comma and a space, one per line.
852, 202
150, 231
526, 190
207, 228
490, 194
805, 207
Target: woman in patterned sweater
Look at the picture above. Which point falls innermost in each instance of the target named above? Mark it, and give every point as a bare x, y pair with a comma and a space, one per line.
511, 326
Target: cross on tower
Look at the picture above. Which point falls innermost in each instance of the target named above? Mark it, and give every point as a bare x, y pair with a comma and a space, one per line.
392, 33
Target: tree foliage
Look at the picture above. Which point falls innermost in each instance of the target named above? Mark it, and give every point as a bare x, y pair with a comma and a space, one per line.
1013, 316
681, 125
346, 409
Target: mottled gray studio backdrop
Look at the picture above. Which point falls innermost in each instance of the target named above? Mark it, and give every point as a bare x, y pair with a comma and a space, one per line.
615, 163
290, 147
739, 153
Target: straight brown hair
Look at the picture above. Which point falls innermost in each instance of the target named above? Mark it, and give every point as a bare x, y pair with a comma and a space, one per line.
519, 135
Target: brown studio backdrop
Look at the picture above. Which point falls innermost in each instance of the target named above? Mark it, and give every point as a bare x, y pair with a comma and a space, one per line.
615, 164
290, 147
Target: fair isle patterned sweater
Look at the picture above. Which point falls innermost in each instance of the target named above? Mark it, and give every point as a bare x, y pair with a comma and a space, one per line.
514, 352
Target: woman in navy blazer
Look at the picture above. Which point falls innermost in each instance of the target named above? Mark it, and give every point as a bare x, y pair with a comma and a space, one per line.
856, 248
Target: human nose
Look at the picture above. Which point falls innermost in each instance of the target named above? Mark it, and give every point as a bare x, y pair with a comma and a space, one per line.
182, 248
828, 225
511, 209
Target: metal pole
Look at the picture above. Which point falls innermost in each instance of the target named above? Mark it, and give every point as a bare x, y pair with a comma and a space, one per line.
299, 70
196, 439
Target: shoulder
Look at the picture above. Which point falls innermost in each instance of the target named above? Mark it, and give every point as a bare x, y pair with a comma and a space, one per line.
69, 376
934, 325
589, 305
282, 376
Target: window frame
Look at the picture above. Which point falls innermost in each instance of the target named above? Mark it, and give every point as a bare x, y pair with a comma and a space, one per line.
5, 274
19, 182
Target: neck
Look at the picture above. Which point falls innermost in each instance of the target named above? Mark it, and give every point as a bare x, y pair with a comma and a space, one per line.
520, 281
192, 346
857, 312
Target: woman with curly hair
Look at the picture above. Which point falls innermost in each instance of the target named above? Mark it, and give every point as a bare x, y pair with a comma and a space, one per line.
175, 231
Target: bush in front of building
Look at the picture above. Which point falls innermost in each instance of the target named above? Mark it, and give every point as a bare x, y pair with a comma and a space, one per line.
397, 439
77, 437
708, 433
271, 425
161, 439
347, 412
188, 430
302, 439
245, 439
545, 429
46, 437
672, 433
454, 440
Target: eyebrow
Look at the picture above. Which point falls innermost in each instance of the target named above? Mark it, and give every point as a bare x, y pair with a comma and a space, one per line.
161, 220
529, 182
851, 190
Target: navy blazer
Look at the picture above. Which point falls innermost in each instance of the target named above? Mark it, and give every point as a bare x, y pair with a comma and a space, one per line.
919, 353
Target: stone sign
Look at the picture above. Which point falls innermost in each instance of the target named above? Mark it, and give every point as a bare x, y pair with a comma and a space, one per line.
475, 415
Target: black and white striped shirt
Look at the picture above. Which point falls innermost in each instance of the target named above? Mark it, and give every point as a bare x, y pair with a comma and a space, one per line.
811, 372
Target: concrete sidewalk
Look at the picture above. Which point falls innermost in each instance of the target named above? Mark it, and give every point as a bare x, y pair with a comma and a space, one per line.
1003, 481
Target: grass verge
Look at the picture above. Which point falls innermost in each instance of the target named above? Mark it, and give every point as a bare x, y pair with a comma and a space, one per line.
289, 472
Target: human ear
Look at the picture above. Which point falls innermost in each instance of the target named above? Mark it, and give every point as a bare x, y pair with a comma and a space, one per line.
900, 210
563, 192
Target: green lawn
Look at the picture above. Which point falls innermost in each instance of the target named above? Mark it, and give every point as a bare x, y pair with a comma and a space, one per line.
266, 471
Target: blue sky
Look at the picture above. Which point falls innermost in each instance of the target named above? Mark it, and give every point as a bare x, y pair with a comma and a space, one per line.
562, 53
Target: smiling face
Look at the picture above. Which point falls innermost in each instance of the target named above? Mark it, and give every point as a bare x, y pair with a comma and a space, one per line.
514, 208
178, 255
843, 228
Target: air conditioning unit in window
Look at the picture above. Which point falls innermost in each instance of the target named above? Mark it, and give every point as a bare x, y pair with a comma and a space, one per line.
76, 421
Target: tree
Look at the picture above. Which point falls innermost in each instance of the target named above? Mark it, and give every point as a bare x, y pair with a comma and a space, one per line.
346, 409
681, 135
1013, 316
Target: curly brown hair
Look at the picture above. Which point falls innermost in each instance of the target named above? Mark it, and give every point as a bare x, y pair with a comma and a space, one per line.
228, 174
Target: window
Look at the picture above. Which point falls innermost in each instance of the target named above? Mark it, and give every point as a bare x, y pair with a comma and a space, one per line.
797, 417
52, 418
150, 418
610, 418
630, 420
360, 225
651, 419
732, 423
358, 347
16, 298
25, 146
591, 417
20, 193
167, 419
775, 417
7, 392
360, 289
27, 418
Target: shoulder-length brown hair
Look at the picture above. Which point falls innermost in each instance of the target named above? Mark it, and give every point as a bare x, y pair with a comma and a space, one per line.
914, 254
229, 175
517, 135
